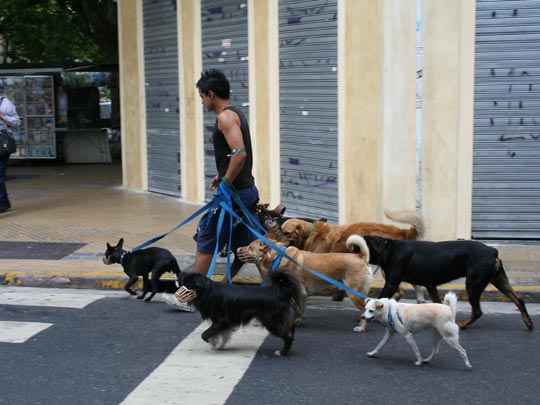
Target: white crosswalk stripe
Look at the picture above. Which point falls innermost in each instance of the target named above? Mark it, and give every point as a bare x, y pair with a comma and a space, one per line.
206, 376
46, 297
20, 332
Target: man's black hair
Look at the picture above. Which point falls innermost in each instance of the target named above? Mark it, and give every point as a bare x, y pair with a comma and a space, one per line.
215, 81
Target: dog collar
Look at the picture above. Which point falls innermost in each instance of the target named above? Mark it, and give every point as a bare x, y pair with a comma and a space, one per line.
277, 260
122, 256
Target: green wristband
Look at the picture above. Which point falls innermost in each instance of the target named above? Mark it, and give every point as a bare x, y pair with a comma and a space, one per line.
236, 150
225, 180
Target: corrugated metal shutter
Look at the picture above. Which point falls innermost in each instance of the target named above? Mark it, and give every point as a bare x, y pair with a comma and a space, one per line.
225, 47
308, 107
162, 98
506, 184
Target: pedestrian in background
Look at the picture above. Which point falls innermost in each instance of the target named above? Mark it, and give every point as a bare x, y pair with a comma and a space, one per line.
9, 119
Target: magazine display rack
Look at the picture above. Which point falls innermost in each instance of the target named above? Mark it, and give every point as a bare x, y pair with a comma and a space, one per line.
33, 97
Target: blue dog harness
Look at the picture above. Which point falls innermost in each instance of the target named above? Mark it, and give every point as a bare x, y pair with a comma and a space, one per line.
390, 322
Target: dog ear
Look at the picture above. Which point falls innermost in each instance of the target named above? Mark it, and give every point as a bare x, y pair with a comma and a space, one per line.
120, 243
274, 230
378, 304
108, 246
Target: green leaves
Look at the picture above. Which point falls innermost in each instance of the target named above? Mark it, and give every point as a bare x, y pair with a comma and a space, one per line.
41, 31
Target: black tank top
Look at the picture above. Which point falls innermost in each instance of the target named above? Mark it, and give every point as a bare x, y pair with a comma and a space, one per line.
222, 152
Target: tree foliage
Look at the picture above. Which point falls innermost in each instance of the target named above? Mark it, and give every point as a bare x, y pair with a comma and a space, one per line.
41, 31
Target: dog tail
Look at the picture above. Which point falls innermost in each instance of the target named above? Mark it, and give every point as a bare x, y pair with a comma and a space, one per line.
410, 217
360, 242
287, 284
450, 299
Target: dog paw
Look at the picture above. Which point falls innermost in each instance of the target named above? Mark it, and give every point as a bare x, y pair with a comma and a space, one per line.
371, 354
147, 299
278, 353
418, 363
359, 329
140, 297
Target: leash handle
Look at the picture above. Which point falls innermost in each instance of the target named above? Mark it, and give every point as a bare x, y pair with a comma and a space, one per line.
229, 189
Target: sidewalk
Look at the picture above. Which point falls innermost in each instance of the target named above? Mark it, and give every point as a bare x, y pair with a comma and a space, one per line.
63, 216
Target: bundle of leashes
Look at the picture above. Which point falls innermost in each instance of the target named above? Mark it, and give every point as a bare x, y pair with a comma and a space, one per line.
224, 199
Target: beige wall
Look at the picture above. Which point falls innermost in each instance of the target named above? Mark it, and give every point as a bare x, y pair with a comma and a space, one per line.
264, 96
359, 112
398, 106
132, 94
447, 118
191, 115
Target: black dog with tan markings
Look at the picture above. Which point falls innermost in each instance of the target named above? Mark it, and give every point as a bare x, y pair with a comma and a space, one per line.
430, 264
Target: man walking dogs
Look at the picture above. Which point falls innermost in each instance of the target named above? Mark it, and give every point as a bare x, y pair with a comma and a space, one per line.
8, 119
234, 162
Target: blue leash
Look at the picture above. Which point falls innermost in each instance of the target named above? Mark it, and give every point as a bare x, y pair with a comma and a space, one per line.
207, 207
275, 265
224, 199
276, 248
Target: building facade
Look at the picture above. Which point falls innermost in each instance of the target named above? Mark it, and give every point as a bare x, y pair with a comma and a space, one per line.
355, 106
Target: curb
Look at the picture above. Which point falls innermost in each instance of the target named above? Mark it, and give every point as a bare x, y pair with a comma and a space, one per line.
530, 294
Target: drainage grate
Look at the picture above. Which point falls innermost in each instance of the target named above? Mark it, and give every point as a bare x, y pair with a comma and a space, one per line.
37, 250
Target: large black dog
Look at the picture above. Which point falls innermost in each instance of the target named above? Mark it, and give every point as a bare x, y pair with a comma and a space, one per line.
153, 259
230, 306
433, 263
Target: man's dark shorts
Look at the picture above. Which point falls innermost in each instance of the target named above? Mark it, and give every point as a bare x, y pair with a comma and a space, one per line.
241, 236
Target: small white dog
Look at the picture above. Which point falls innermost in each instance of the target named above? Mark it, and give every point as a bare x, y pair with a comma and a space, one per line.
408, 319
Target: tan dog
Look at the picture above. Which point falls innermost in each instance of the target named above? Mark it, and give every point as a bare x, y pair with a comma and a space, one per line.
351, 269
408, 319
322, 237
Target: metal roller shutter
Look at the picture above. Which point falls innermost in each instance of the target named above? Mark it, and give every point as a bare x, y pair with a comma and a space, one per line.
162, 96
225, 47
506, 180
308, 107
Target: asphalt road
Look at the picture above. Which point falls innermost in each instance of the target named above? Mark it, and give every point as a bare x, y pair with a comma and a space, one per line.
119, 350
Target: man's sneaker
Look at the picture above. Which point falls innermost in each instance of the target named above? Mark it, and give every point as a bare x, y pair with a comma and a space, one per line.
171, 300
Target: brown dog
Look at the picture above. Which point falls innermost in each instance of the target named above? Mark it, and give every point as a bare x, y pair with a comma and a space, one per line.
322, 237
351, 269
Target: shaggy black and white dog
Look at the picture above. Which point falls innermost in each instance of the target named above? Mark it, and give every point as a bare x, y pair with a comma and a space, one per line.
230, 306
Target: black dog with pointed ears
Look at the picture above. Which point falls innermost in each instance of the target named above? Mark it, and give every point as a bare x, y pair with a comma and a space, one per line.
230, 306
153, 259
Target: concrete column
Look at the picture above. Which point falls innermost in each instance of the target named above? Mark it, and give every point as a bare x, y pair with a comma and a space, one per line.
398, 126
264, 96
447, 117
359, 118
133, 112
191, 114
466, 120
